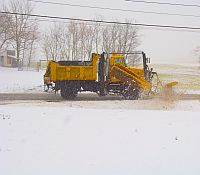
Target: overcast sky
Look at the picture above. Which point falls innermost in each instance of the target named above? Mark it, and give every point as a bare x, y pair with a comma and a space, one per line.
162, 46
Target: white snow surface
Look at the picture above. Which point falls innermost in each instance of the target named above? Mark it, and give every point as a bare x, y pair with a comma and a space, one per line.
110, 137
13, 81
38, 140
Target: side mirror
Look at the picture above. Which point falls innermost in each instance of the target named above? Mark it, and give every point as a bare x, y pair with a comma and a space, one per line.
148, 60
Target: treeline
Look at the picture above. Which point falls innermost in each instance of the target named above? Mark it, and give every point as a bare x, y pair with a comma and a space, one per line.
18, 32
78, 40
62, 41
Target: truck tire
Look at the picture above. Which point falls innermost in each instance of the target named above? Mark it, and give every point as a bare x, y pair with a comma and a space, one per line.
131, 94
135, 95
68, 93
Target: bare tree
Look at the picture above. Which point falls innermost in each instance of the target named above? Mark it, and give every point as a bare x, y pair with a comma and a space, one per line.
89, 41
48, 47
77, 41
97, 38
119, 38
33, 37
82, 44
22, 28
4, 30
53, 42
106, 39
73, 29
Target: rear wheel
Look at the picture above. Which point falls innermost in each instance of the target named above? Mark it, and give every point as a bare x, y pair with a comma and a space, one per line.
68, 93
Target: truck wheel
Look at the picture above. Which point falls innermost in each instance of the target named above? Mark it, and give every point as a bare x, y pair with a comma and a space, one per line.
131, 94
135, 95
68, 93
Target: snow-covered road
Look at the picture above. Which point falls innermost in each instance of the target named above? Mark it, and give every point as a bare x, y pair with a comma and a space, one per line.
81, 97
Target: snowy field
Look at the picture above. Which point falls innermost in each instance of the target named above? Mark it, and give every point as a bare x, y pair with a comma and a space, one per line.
188, 76
38, 140
111, 137
13, 81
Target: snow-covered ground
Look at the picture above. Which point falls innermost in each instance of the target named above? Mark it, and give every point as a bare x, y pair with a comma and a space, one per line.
111, 137
61, 140
188, 76
187, 69
12, 80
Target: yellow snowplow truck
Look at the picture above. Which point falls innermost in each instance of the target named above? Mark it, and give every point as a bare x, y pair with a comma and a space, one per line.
106, 73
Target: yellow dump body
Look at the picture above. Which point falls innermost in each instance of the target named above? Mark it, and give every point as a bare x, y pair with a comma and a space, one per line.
57, 72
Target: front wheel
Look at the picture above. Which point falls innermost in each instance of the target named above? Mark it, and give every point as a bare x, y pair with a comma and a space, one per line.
131, 94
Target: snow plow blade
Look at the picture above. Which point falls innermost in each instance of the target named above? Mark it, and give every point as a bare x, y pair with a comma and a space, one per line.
167, 92
171, 84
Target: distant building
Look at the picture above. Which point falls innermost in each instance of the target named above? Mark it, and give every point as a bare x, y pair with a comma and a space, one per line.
8, 58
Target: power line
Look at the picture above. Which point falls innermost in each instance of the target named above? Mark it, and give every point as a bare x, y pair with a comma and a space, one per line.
103, 21
91, 24
165, 3
62, 22
115, 9
169, 29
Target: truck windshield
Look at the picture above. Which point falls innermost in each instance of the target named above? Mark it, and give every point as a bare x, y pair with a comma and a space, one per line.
134, 61
118, 60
